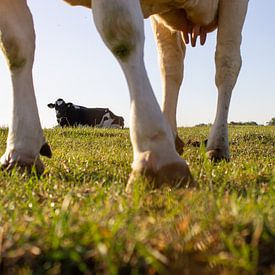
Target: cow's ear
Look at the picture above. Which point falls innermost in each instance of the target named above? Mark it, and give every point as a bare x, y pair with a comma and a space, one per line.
69, 105
51, 105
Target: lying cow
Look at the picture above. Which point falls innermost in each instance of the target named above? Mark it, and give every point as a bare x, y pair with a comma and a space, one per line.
120, 24
68, 114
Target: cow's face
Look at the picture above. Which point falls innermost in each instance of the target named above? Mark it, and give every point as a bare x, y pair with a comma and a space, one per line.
61, 109
109, 120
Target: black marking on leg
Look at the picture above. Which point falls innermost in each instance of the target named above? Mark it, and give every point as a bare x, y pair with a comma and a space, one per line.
179, 145
46, 150
122, 51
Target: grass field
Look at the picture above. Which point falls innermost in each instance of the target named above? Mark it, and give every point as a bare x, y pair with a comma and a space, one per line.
77, 217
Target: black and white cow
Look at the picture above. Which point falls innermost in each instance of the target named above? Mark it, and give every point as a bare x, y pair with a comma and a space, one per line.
68, 114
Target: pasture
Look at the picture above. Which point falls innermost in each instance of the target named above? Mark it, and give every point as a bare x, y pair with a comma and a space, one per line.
77, 217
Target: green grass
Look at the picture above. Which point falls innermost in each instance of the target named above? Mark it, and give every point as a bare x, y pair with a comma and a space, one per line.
78, 218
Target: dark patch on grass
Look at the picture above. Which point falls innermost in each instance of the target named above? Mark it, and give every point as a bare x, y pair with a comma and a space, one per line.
259, 138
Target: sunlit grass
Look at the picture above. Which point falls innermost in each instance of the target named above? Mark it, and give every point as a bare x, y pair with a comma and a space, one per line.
78, 218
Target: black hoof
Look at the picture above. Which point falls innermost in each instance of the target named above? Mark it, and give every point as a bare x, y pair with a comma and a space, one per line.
217, 155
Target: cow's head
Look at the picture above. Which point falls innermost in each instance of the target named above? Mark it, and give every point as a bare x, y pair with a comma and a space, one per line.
110, 120
61, 109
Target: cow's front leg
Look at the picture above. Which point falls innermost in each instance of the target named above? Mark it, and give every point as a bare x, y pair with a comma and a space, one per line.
120, 23
171, 51
25, 137
228, 63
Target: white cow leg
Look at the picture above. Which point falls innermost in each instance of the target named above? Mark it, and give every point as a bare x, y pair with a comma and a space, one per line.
228, 63
171, 51
120, 23
25, 137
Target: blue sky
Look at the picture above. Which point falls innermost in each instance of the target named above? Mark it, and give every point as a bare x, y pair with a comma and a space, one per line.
72, 62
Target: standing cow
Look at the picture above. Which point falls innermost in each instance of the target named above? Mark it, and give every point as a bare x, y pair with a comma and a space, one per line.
120, 24
68, 114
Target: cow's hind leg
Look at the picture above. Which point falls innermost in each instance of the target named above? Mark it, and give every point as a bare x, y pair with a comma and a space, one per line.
120, 23
228, 63
25, 138
171, 51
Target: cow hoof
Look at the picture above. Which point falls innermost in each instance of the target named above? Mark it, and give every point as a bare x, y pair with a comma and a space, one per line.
175, 175
217, 155
23, 167
179, 144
